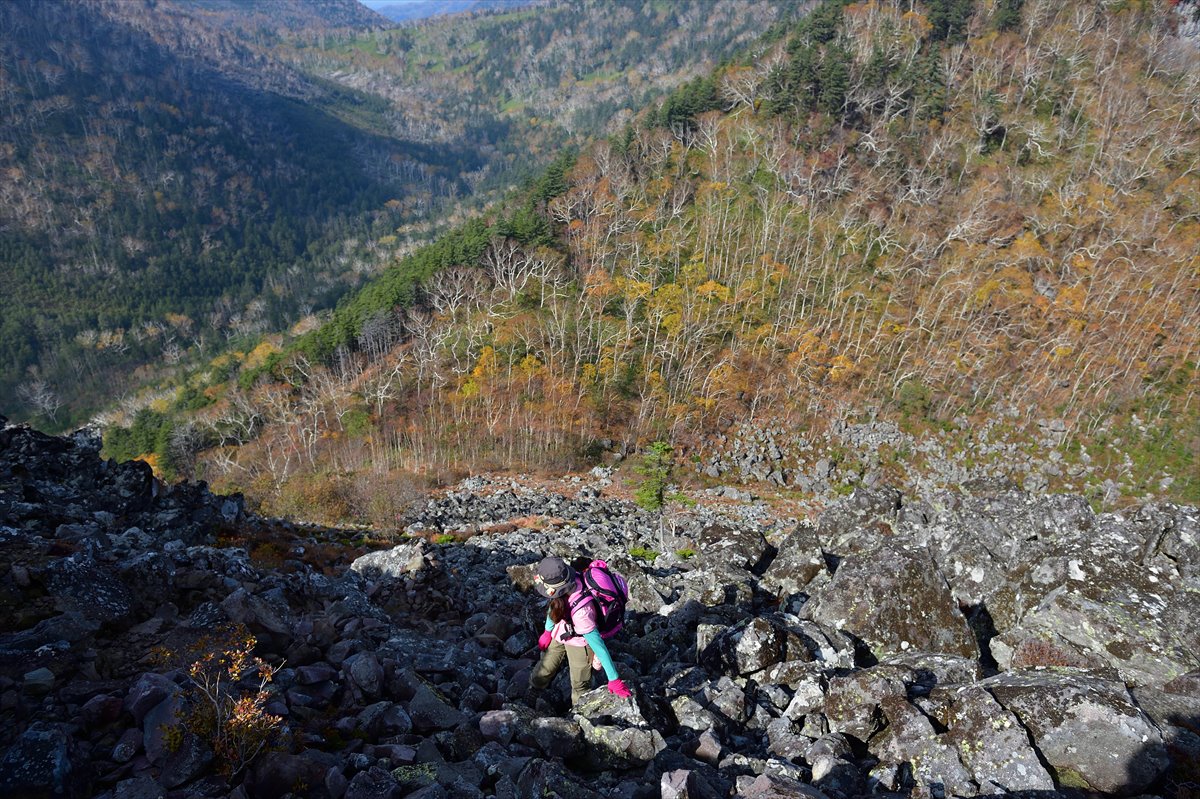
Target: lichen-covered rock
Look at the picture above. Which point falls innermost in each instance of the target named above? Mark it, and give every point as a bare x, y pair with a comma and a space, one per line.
82, 585
798, 561
1086, 728
1101, 607
746, 648
992, 743
615, 730
856, 523
853, 702
934, 759
390, 564
1172, 538
775, 786
895, 601
738, 547
43, 762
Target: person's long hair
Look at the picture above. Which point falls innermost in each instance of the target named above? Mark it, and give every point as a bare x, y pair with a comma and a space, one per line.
558, 609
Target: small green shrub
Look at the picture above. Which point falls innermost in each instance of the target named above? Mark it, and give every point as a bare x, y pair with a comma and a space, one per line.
655, 468
686, 552
644, 553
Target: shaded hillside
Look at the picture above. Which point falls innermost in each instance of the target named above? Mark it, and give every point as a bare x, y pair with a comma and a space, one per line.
216, 190
161, 179
956, 219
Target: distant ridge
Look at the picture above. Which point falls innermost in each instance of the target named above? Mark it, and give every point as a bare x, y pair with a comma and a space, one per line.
408, 10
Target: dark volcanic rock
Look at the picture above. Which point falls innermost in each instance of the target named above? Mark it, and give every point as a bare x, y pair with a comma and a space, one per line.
42, 762
839, 664
82, 585
1086, 728
895, 601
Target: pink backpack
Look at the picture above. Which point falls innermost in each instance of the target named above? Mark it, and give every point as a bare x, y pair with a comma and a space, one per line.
610, 593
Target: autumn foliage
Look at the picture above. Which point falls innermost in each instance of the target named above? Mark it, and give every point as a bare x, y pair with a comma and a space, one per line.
990, 211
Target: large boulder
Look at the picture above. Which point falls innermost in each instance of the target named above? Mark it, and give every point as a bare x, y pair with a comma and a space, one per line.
741, 548
390, 564
1086, 728
43, 762
261, 615
796, 564
853, 702
747, 647
895, 601
430, 711
549, 778
616, 731
1101, 606
985, 545
992, 743
1172, 538
859, 522
84, 586
933, 758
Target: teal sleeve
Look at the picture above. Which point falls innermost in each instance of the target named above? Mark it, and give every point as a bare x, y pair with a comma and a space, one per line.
549, 624
601, 649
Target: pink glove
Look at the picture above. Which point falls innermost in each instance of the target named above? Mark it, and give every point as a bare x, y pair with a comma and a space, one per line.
618, 688
544, 641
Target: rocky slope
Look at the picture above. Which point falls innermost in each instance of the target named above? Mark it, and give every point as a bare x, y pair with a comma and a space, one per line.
973, 643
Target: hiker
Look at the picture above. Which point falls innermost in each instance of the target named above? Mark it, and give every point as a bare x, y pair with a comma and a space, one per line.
584, 610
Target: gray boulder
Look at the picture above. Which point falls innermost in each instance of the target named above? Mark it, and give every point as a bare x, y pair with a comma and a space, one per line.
43, 762
260, 615
1101, 607
81, 585
746, 648
430, 712
390, 564
934, 759
993, 744
895, 601
798, 561
365, 673
853, 703
741, 548
143, 787
1086, 728
617, 734
374, 783
776, 786
548, 778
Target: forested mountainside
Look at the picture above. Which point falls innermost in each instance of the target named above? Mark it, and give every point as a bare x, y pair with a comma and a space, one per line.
423, 9
978, 221
152, 194
521, 84
278, 17
167, 152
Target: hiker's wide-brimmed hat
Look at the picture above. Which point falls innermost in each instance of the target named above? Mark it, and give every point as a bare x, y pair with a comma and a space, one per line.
555, 577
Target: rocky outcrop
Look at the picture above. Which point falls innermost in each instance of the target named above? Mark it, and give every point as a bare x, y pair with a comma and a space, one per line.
965, 644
